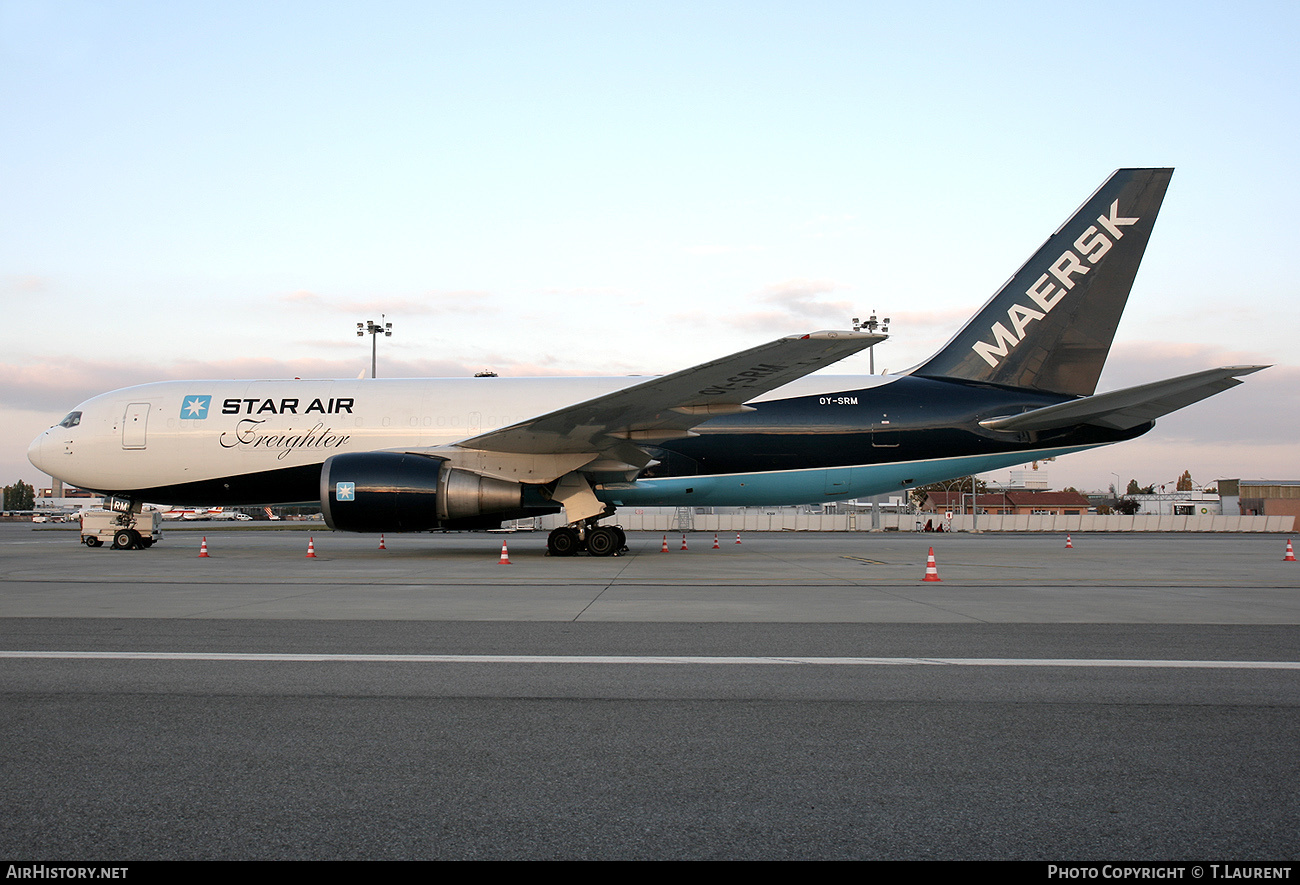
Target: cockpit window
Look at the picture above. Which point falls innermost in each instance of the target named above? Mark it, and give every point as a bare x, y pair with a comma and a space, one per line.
73, 419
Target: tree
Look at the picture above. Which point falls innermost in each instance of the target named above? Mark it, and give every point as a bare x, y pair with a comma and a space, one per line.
20, 496
1128, 507
1185, 482
1135, 489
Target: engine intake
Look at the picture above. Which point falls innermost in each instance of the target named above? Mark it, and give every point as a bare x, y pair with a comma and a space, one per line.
398, 492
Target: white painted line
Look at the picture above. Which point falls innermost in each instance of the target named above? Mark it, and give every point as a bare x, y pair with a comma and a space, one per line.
702, 660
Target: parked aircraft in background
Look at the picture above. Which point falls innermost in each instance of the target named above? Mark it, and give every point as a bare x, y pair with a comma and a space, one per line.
1016, 384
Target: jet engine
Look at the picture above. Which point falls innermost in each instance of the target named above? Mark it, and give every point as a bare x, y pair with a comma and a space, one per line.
399, 492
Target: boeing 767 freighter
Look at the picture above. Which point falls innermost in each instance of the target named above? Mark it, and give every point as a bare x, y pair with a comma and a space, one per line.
1016, 384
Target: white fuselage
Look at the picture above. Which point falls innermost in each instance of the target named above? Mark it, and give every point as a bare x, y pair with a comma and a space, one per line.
180, 432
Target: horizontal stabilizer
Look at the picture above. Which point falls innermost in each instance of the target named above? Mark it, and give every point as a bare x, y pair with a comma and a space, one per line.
1122, 409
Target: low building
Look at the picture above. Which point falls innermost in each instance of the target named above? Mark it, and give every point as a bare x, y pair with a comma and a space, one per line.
1260, 497
66, 500
1011, 502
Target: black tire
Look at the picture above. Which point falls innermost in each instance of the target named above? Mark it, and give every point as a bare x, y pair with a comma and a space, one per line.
123, 539
92, 541
563, 542
146, 543
603, 541
622, 538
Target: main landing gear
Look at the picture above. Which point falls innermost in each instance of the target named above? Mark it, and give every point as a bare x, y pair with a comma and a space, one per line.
603, 540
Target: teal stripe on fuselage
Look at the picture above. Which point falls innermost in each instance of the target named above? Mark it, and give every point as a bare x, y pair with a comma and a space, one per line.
788, 487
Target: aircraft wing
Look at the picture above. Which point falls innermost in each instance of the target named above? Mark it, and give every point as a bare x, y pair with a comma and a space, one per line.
1122, 409
668, 406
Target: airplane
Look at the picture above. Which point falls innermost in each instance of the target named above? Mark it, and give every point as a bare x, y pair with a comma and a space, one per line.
1016, 384
185, 513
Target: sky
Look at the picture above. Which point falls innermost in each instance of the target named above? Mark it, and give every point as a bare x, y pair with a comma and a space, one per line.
223, 190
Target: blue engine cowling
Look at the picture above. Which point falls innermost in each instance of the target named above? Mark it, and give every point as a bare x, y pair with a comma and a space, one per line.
399, 492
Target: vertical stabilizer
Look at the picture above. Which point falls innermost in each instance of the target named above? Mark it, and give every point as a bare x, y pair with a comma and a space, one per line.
1051, 325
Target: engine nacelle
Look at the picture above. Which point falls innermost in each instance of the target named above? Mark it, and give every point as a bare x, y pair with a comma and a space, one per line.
397, 492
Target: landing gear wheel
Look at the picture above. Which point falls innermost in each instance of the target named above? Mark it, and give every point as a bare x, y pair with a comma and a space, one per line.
563, 541
603, 541
622, 537
124, 539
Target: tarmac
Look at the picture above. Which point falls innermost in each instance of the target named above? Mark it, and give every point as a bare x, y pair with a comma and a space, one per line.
794, 696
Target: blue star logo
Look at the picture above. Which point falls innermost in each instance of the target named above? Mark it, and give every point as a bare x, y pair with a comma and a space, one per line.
345, 491
195, 406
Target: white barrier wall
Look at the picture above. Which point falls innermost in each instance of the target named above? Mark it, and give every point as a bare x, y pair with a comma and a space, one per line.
1116, 523
788, 519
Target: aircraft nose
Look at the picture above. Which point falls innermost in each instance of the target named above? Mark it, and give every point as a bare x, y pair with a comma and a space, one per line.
36, 453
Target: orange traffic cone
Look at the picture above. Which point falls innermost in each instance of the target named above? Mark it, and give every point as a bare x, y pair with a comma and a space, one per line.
683, 542
931, 570
1069, 545
715, 541
505, 555
664, 549
203, 548
1290, 552
737, 537
381, 543
311, 548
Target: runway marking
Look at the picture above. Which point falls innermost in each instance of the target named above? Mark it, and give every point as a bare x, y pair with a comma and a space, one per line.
640, 659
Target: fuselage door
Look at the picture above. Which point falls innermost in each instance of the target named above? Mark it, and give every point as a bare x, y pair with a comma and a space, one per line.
839, 480
134, 422
883, 434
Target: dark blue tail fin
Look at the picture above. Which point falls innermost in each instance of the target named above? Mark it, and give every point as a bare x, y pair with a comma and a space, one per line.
1051, 325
